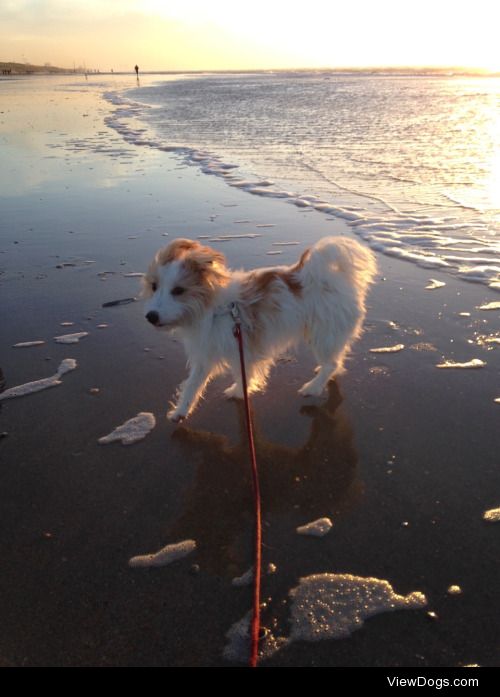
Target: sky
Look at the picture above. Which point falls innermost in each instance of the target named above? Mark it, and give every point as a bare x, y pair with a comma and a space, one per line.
260, 34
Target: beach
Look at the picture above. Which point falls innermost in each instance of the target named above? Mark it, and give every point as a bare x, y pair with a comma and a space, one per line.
401, 455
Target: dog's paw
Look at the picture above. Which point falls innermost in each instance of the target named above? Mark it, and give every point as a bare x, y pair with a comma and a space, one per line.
175, 416
310, 389
234, 392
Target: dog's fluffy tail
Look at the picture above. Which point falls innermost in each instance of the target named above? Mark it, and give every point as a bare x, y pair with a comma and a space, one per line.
332, 255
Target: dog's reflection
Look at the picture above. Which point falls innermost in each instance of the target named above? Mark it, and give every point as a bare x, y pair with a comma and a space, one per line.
299, 484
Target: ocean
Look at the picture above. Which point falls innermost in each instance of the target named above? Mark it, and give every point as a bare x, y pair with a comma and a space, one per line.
412, 163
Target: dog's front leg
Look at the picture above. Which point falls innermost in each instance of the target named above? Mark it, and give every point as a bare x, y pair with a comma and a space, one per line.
189, 393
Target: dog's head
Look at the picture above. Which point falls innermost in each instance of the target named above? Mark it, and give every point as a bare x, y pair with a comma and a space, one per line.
181, 283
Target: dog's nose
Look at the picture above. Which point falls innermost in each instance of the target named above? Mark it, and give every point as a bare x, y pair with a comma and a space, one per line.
153, 317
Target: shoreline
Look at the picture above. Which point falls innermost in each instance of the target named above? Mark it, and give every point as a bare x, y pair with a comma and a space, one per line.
401, 455
429, 235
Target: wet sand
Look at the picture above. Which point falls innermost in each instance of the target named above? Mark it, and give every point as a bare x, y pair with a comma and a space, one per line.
401, 456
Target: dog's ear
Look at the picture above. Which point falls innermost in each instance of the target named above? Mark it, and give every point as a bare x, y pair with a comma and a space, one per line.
192, 251
206, 257
176, 249
207, 265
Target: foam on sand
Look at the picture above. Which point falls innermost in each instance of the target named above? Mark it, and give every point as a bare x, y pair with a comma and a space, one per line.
490, 306
30, 387
237, 647
317, 528
433, 285
388, 349
324, 606
226, 238
243, 580
474, 363
28, 344
487, 340
492, 516
164, 556
131, 431
247, 578
70, 338
331, 606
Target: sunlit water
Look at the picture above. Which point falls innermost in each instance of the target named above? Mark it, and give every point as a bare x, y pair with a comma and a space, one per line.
412, 163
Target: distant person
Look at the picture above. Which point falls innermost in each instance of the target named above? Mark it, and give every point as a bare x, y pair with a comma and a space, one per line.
137, 70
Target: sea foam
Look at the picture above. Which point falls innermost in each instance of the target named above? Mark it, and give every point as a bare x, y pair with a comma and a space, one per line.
131, 431
323, 606
164, 556
30, 387
316, 528
331, 606
473, 363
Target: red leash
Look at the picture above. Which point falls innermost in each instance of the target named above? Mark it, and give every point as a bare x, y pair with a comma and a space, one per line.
255, 626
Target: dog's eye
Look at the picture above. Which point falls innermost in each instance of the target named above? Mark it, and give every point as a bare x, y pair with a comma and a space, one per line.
177, 290
154, 287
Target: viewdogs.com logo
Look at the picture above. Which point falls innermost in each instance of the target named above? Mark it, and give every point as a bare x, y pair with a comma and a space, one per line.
437, 683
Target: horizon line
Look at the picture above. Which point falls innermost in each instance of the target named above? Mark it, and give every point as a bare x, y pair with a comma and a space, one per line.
461, 69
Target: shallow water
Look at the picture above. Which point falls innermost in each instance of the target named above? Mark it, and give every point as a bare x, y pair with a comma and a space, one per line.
411, 163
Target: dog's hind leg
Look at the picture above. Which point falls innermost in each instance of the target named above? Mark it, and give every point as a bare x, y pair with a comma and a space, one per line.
235, 391
315, 387
330, 363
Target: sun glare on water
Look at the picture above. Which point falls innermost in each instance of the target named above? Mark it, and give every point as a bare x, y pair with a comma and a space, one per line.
493, 184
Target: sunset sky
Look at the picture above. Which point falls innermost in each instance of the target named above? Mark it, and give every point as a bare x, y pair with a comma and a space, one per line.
227, 34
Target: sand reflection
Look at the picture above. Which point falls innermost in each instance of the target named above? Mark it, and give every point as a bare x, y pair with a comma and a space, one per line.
298, 484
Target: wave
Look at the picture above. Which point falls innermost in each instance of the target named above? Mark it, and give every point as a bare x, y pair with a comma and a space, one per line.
425, 240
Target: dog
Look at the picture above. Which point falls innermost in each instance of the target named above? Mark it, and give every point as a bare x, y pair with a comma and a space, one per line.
191, 292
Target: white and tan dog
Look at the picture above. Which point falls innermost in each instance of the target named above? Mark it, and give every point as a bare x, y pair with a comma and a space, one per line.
320, 299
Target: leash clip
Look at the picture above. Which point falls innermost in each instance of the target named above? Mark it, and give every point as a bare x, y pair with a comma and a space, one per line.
235, 314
